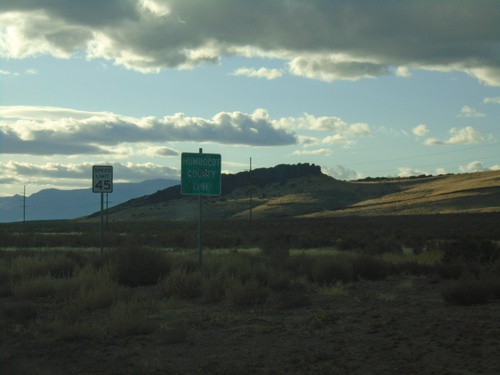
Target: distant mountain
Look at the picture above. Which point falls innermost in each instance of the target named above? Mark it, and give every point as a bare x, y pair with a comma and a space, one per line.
54, 204
304, 191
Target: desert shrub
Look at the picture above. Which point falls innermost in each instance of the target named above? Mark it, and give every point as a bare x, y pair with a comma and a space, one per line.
451, 271
99, 297
214, 288
182, 284
50, 263
245, 293
328, 269
129, 318
300, 265
468, 292
379, 246
239, 266
136, 266
413, 268
42, 286
369, 267
279, 280
470, 250
349, 243
5, 289
21, 312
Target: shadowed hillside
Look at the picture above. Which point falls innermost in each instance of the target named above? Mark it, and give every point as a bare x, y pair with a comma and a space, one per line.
304, 191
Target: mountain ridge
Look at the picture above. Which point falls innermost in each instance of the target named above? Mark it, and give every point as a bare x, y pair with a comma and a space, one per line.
59, 204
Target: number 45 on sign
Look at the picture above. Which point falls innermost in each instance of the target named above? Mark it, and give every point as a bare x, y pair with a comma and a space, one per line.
102, 179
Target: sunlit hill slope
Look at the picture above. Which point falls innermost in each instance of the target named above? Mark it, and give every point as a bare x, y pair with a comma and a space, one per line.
304, 191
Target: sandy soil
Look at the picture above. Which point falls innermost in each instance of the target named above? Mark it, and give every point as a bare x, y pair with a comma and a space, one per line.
397, 326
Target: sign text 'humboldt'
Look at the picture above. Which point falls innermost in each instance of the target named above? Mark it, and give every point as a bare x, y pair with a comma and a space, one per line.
200, 174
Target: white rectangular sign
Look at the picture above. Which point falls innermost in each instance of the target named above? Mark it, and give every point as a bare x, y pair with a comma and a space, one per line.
102, 179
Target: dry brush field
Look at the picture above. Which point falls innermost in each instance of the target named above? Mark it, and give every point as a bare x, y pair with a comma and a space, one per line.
351, 295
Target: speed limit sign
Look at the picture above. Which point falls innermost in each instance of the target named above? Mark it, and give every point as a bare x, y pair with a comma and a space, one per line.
102, 179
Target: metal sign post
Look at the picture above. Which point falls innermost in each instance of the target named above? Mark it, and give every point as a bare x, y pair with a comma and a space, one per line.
102, 182
200, 175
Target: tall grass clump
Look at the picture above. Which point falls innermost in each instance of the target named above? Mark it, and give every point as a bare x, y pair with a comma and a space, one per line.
129, 318
55, 264
368, 267
328, 269
136, 266
182, 284
245, 293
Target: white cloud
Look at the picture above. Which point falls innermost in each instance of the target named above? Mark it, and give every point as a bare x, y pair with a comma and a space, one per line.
408, 172
467, 135
334, 124
337, 139
335, 67
440, 171
467, 111
321, 151
403, 71
474, 166
259, 73
50, 131
332, 40
340, 172
495, 100
420, 130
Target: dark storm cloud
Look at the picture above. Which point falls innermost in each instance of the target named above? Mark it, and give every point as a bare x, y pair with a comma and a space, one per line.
320, 39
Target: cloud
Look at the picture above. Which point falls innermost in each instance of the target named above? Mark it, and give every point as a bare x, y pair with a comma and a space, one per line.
337, 139
7, 73
403, 71
334, 67
321, 151
260, 73
50, 131
440, 171
492, 100
467, 135
325, 40
329, 123
75, 174
341, 173
467, 111
420, 130
408, 172
474, 166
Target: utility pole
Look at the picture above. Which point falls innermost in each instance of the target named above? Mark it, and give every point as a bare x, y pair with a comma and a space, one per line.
250, 190
24, 207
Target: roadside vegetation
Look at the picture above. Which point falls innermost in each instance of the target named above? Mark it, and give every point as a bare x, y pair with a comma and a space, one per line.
136, 288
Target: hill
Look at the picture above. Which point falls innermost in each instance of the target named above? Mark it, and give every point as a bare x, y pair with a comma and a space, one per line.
304, 191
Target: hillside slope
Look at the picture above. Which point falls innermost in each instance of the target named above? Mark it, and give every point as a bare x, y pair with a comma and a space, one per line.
303, 191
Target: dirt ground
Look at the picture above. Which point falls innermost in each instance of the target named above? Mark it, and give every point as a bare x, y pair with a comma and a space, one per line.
400, 325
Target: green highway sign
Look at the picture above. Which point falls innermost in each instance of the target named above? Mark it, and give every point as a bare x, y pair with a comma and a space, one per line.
200, 174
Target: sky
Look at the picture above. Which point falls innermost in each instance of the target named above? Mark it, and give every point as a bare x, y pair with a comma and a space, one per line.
361, 88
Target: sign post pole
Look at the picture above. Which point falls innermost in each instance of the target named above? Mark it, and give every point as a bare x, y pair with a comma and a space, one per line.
200, 240
102, 182
200, 175
102, 223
